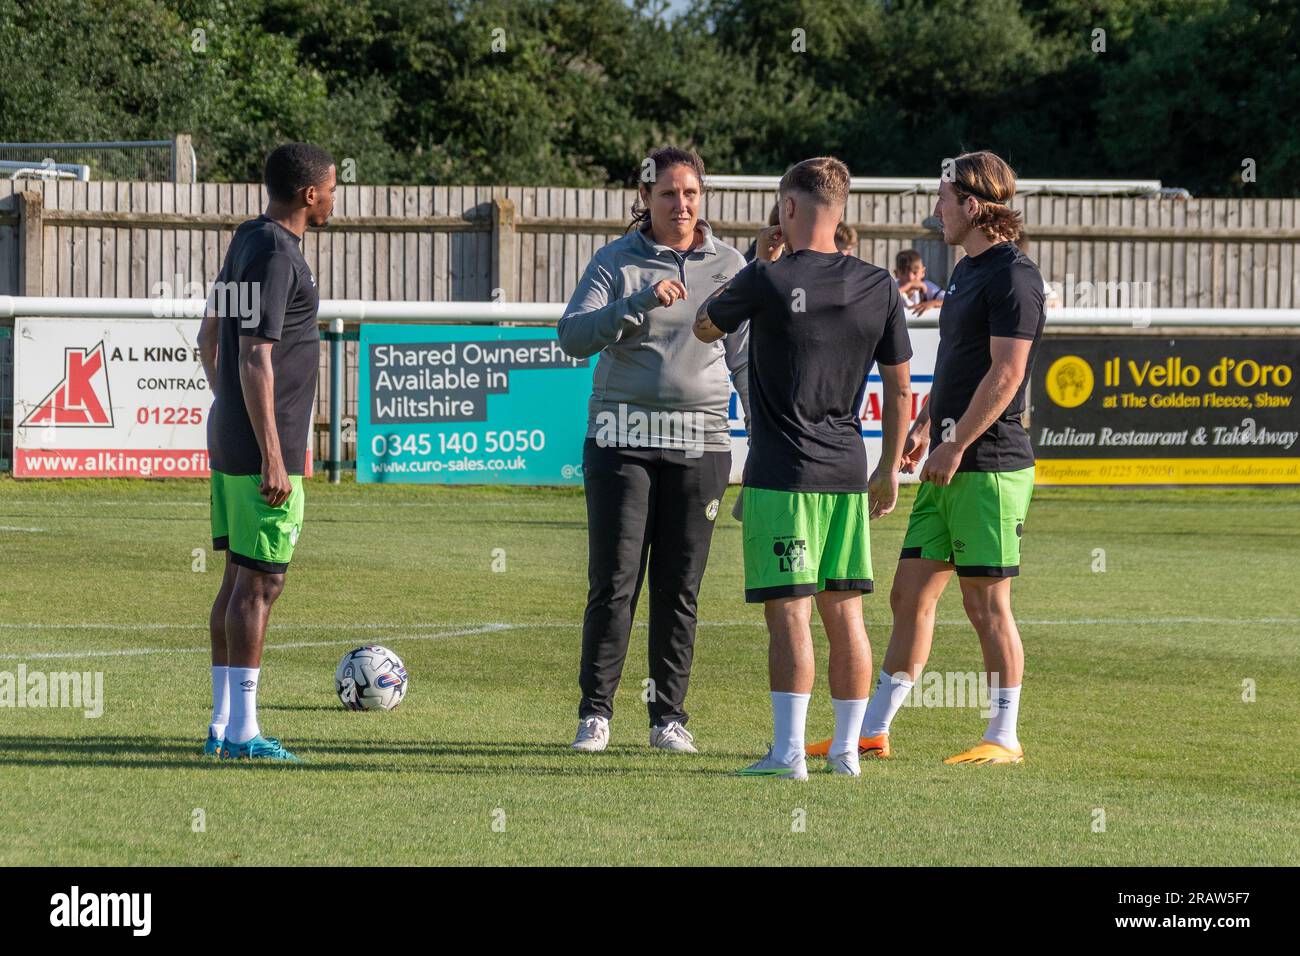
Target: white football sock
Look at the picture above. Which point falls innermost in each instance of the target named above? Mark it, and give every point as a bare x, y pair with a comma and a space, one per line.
789, 716
889, 696
1002, 725
243, 704
848, 721
220, 701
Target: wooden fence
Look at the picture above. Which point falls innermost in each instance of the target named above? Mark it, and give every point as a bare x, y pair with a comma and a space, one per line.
458, 243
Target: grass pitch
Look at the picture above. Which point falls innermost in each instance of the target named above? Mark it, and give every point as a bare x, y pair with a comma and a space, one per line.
1133, 703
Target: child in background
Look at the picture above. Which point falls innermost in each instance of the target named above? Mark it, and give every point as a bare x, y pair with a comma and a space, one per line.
846, 239
918, 292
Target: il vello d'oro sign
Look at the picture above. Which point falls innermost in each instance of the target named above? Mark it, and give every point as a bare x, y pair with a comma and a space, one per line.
1166, 411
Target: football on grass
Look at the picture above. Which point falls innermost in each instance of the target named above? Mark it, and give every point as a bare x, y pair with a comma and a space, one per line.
370, 678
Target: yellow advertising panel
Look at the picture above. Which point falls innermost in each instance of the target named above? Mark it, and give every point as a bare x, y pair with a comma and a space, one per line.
1141, 411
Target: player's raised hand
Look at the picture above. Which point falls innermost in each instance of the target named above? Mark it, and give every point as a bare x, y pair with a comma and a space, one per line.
942, 464
669, 291
882, 493
275, 487
914, 450
770, 244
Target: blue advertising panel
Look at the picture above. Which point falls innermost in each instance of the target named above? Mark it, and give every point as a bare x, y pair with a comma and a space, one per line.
470, 405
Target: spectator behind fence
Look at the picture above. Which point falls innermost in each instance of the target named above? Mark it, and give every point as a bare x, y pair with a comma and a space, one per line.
918, 292
846, 239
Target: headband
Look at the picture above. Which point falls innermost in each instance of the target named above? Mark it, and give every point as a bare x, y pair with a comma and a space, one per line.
977, 194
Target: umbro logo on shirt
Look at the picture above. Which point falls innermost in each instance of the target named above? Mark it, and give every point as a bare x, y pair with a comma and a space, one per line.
720, 277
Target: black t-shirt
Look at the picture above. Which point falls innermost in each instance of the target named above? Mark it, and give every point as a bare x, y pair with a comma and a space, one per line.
997, 293
264, 289
817, 322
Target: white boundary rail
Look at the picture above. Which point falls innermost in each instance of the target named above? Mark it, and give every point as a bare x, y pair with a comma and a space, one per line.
548, 313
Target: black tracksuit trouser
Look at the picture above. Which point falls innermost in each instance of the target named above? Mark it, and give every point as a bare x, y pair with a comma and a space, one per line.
647, 509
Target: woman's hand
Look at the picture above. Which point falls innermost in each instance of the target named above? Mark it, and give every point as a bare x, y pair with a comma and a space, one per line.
668, 291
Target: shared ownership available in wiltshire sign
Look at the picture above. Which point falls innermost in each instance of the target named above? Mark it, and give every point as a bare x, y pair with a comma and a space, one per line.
470, 404
1204, 410
109, 398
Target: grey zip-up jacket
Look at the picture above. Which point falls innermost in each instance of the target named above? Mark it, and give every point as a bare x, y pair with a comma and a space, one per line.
656, 385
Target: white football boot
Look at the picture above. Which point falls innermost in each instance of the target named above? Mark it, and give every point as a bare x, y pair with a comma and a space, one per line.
673, 736
845, 764
769, 766
593, 735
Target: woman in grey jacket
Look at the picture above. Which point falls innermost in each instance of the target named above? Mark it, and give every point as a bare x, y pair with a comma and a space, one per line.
658, 450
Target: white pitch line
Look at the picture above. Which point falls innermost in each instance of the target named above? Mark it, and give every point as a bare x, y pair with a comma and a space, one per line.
463, 630
577, 623
26, 530
294, 645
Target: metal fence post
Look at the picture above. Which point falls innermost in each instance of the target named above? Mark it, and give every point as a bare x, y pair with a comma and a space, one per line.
336, 400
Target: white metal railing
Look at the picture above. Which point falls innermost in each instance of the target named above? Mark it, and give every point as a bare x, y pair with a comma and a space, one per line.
930, 184
24, 170
548, 313
349, 310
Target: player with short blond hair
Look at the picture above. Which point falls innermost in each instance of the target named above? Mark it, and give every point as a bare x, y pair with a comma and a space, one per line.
818, 320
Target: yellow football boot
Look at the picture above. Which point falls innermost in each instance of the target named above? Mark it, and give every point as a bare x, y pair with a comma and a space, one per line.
987, 753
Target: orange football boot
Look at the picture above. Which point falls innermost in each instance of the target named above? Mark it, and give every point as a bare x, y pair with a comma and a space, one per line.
877, 746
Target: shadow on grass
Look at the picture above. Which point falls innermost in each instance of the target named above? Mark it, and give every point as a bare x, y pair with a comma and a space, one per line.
470, 519
153, 752
332, 709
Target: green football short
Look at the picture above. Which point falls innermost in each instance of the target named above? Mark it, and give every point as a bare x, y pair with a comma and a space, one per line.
800, 542
254, 534
974, 523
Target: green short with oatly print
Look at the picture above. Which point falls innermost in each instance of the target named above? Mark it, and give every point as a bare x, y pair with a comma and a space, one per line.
254, 534
800, 542
974, 523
